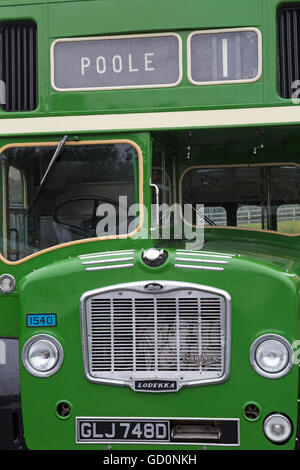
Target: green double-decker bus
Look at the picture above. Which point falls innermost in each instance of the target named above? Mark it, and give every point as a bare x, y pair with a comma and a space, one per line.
149, 224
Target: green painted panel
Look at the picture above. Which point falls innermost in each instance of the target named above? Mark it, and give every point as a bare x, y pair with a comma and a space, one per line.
254, 312
102, 17
263, 280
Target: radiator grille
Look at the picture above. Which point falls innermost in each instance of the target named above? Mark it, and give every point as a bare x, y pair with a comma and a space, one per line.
288, 49
178, 334
18, 65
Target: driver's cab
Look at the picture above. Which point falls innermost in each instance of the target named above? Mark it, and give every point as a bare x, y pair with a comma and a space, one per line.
85, 193
96, 189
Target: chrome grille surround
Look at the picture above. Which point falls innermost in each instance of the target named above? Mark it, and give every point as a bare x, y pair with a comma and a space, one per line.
177, 331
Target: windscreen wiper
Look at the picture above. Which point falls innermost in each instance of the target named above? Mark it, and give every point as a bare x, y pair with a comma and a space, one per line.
52, 162
204, 217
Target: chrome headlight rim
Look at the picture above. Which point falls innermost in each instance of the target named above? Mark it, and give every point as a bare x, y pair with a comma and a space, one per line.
256, 366
278, 415
13, 284
26, 362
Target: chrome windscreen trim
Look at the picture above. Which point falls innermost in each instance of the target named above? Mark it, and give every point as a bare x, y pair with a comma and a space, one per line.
113, 260
201, 259
187, 253
103, 261
205, 253
113, 266
203, 268
107, 254
208, 261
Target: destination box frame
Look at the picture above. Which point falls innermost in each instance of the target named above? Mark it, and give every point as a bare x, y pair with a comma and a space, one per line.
220, 31
121, 87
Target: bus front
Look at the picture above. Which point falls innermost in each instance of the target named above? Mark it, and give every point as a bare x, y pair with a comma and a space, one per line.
150, 227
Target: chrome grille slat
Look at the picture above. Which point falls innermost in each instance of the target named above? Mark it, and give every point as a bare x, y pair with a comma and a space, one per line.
175, 334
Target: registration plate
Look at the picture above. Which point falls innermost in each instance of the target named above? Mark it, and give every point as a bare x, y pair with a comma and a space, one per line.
97, 430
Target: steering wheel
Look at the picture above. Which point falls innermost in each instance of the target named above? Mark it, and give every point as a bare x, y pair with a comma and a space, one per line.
87, 227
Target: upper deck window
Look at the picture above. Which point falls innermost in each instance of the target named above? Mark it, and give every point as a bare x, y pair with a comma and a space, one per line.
88, 193
254, 197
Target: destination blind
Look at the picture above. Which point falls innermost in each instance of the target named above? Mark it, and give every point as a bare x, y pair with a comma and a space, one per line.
155, 60
116, 62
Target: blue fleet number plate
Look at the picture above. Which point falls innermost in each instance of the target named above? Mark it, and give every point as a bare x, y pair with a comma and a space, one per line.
41, 319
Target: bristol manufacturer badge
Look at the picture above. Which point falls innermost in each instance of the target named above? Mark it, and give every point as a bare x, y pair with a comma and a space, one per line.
153, 286
156, 385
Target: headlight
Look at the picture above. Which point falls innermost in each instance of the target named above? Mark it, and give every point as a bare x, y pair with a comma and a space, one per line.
7, 283
271, 356
42, 355
278, 428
